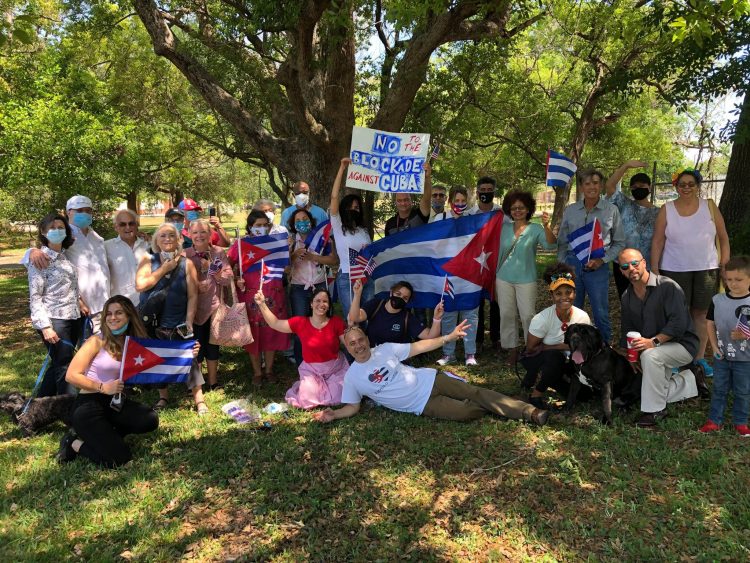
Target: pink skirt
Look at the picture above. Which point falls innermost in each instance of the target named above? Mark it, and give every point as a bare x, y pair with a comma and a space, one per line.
320, 384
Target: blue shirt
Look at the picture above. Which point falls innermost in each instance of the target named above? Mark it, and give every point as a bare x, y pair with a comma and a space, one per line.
318, 214
637, 223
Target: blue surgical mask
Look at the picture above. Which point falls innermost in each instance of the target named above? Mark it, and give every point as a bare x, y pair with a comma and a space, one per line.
82, 220
56, 236
193, 215
438, 206
121, 330
303, 226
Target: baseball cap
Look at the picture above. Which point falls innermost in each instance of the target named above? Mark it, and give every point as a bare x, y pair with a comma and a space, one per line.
78, 202
174, 211
188, 204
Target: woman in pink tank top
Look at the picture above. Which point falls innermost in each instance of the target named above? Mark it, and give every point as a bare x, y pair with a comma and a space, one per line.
98, 426
684, 249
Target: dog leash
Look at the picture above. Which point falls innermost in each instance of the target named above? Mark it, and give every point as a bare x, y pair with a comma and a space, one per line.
45, 367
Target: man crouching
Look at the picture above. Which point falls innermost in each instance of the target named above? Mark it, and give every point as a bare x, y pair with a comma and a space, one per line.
379, 374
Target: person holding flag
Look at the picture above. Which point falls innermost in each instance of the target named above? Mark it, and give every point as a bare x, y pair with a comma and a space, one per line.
251, 255
98, 429
590, 236
349, 232
728, 331
309, 262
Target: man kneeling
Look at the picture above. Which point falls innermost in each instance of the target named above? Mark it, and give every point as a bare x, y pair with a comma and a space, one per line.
379, 374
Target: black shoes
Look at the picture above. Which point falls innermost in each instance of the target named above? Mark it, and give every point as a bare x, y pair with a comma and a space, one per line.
651, 419
66, 452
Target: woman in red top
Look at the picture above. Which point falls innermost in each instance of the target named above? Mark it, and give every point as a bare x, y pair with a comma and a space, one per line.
321, 373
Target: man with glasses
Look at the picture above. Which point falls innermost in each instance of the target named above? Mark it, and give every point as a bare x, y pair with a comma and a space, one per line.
407, 215
654, 307
124, 253
439, 195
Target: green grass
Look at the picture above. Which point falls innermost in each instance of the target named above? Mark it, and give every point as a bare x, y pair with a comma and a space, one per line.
379, 487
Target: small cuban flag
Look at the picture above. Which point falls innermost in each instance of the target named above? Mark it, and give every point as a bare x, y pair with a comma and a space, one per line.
560, 169
448, 288
273, 250
587, 242
146, 360
318, 240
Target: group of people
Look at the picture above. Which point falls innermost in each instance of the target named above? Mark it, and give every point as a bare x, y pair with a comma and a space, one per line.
667, 265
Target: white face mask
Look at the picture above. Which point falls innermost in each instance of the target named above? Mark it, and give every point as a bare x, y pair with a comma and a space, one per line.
167, 256
258, 231
301, 200
270, 216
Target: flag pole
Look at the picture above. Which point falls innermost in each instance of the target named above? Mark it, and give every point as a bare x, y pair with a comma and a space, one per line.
262, 270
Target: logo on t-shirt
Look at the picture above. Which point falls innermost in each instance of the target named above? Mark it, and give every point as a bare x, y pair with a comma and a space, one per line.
396, 327
378, 376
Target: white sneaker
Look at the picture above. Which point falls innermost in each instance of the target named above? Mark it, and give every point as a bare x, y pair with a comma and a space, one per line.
445, 360
471, 360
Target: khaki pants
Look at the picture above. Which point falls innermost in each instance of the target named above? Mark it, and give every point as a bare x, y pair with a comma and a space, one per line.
452, 399
659, 385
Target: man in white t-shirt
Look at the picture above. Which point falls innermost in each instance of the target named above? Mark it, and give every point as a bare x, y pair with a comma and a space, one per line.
379, 373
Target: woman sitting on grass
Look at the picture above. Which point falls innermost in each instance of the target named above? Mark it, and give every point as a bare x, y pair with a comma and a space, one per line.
545, 359
321, 373
98, 429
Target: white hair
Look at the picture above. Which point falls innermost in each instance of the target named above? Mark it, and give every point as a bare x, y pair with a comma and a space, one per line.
130, 212
155, 244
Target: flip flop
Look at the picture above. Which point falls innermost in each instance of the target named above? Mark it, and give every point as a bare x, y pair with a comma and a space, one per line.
201, 407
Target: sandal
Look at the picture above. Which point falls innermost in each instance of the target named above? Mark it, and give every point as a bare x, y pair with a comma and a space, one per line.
161, 404
257, 380
215, 387
201, 407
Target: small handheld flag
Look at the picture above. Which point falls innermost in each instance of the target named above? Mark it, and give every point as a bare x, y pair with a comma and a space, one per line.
146, 360
560, 169
318, 240
448, 288
356, 267
215, 267
587, 242
743, 325
435, 152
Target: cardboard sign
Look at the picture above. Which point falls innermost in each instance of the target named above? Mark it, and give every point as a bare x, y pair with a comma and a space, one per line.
387, 162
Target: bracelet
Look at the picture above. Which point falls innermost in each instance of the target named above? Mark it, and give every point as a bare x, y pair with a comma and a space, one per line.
437, 320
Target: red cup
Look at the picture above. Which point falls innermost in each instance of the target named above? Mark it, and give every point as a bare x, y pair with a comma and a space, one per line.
632, 352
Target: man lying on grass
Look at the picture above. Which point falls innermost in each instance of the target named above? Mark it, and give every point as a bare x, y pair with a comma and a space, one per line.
379, 374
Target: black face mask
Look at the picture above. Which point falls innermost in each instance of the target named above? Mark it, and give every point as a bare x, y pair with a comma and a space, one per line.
486, 197
355, 215
397, 302
640, 193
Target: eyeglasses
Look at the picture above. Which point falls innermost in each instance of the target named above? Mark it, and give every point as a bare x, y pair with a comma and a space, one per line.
518, 208
633, 263
690, 185
128, 224
563, 276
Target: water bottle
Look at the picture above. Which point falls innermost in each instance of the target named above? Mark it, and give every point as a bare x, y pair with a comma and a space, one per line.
276, 408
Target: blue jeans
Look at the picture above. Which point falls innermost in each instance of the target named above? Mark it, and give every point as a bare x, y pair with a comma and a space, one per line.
61, 353
299, 303
734, 375
449, 322
595, 284
345, 297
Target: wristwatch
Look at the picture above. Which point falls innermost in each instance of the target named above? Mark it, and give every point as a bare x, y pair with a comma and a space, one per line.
656, 342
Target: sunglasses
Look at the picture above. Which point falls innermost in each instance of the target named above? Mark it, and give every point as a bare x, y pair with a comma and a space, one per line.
438, 195
633, 263
563, 276
128, 224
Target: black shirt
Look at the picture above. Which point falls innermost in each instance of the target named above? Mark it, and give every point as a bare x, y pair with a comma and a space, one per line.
402, 327
396, 224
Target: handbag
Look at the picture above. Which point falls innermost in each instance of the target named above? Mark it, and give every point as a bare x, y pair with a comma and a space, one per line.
229, 324
151, 310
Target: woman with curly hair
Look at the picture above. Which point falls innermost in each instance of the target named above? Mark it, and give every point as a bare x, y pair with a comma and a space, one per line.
684, 248
515, 284
546, 356
349, 232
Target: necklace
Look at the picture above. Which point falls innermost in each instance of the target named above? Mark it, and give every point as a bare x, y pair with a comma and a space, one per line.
564, 325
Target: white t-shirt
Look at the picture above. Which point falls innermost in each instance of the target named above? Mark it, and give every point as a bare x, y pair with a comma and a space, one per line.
345, 241
388, 382
547, 326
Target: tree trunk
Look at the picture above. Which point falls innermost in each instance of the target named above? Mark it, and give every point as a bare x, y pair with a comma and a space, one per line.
735, 203
132, 199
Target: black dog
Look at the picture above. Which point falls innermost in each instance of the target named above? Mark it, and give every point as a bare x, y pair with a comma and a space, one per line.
39, 413
598, 366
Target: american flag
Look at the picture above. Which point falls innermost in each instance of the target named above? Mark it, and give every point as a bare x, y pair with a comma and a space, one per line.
435, 152
215, 267
359, 266
743, 325
448, 288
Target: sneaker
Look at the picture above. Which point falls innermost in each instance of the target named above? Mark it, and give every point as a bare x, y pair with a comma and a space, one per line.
710, 426
707, 369
471, 360
66, 452
651, 419
445, 360
742, 430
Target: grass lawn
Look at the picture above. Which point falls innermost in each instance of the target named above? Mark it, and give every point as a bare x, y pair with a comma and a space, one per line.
379, 487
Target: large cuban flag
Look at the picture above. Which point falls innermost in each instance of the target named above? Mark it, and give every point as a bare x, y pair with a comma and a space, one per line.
273, 249
466, 249
146, 360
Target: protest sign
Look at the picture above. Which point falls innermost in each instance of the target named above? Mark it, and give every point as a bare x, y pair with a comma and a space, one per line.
387, 162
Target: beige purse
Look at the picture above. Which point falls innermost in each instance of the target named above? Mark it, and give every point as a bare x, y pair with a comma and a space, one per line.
230, 325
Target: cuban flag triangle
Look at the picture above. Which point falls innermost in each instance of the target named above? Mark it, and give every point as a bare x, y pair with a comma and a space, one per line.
273, 250
146, 360
319, 239
587, 242
465, 248
560, 169
448, 288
